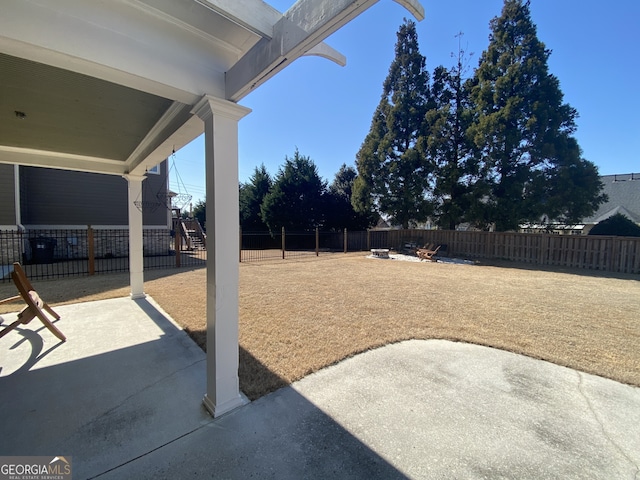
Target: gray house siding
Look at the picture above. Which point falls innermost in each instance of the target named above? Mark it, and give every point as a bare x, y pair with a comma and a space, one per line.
7, 195
59, 197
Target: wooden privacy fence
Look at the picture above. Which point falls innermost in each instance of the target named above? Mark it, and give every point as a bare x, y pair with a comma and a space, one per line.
612, 254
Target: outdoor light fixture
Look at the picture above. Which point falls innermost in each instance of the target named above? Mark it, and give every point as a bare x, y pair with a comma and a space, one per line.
20, 115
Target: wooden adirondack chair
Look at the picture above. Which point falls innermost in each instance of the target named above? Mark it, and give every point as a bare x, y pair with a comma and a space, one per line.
427, 253
34, 306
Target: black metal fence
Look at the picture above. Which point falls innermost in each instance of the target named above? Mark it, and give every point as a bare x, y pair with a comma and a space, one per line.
55, 253
261, 246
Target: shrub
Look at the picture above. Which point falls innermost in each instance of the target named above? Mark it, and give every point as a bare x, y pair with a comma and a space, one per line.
617, 224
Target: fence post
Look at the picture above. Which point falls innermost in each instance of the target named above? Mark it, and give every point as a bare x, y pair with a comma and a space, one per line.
317, 242
346, 240
240, 246
22, 249
91, 253
177, 242
368, 240
283, 244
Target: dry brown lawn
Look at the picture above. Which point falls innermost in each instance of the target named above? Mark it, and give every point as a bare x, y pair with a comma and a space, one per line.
298, 316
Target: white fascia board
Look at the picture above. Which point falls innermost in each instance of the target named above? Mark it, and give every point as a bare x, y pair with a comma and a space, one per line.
142, 158
64, 161
187, 132
78, 65
306, 24
117, 42
320, 18
254, 15
198, 19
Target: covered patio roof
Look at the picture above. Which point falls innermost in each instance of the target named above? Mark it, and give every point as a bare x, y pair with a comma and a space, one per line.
114, 87
109, 87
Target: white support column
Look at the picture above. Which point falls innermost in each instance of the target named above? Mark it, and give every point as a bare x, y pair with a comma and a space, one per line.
136, 262
17, 196
221, 151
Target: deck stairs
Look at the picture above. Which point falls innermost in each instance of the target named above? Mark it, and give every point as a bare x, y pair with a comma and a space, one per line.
193, 236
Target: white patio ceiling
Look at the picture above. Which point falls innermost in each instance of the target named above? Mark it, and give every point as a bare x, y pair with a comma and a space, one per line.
109, 86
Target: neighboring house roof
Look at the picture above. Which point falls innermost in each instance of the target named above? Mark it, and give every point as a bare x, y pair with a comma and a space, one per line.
382, 224
624, 197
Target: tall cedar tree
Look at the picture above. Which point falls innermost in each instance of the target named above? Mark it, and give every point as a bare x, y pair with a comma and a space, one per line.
393, 174
297, 198
449, 146
533, 164
252, 194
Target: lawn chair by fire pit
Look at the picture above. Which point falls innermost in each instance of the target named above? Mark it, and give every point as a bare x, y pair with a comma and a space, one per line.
428, 252
34, 306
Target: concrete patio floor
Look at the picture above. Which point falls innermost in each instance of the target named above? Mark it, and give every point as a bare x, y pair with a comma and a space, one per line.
122, 397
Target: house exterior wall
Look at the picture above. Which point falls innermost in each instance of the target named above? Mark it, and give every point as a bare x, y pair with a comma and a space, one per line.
60, 204
73, 244
107, 243
7, 195
59, 197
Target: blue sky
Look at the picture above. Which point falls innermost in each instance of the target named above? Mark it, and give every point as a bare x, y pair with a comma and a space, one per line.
325, 110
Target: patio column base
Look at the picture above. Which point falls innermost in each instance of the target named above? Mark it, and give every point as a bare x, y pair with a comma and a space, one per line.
226, 407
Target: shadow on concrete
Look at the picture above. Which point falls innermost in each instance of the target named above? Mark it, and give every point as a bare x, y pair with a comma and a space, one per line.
122, 397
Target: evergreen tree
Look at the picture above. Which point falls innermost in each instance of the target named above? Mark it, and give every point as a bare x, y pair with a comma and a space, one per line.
340, 213
200, 213
524, 129
393, 174
342, 184
252, 194
296, 200
574, 188
449, 146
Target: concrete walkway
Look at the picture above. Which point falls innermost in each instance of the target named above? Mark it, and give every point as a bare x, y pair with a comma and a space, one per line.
122, 398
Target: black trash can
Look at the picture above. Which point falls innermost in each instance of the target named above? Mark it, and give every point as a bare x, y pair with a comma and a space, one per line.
42, 249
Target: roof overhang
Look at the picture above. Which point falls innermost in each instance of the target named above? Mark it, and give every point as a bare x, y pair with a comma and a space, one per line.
109, 87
